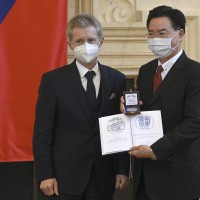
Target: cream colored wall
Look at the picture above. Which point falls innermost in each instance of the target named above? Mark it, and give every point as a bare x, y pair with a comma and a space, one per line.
124, 21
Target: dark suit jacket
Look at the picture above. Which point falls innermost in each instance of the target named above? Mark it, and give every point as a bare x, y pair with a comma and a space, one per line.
176, 173
65, 142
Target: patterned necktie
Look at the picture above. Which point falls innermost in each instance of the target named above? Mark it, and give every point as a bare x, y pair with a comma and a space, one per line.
157, 78
90, 90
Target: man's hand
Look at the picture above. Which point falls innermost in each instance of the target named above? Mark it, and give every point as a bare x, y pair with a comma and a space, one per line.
122, 104
121, 181
49, 186
141, 151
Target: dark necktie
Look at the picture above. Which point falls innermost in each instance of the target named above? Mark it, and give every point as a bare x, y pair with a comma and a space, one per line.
157, 78
90, 90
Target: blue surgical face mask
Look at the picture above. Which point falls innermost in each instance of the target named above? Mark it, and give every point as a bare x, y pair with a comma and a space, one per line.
161, 47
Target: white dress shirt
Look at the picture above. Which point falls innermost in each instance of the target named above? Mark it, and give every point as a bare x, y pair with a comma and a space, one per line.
96, 79
168, 64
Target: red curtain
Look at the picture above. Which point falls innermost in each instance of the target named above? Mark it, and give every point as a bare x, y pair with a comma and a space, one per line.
32, 41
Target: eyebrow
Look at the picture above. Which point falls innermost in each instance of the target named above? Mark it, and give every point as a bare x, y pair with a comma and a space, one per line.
89, 38
163, 29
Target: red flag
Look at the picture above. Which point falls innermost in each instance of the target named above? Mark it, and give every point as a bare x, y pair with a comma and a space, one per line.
32, 41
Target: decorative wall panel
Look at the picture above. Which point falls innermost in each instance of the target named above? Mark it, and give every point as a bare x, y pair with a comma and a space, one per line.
124, 24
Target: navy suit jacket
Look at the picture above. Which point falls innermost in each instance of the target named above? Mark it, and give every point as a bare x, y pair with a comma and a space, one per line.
176, 173
66, 143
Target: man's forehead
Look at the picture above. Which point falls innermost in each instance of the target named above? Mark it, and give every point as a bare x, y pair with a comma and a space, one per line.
160, 22
85, 31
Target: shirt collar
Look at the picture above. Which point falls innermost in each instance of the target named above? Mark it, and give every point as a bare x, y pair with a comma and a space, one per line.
83, 70
168, 64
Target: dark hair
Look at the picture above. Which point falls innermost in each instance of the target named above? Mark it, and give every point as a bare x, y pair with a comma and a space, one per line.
176, 17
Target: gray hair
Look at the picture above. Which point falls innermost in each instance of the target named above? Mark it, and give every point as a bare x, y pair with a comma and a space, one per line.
83, 21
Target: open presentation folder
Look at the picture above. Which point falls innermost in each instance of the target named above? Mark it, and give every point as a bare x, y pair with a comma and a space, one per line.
121, 132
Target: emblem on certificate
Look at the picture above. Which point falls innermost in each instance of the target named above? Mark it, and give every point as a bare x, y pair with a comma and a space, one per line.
131, 102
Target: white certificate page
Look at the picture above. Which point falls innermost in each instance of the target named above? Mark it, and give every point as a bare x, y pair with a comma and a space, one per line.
115, 133
146, 128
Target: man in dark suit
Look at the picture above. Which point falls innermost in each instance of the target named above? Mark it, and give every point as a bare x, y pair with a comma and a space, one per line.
170, 168
66, 142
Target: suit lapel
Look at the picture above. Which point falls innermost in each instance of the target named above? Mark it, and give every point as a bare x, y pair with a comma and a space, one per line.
76, 84
174, 73
105, 88
145, 79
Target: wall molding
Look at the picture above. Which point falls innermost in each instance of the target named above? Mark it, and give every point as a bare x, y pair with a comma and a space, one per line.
125, 47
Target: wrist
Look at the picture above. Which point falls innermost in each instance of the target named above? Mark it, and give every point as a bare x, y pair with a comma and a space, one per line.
153, 157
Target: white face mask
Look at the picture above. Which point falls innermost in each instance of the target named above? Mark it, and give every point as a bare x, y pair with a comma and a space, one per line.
86, 52
161, 47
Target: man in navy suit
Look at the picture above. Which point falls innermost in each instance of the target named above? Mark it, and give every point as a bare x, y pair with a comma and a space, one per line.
66, 142
170, 168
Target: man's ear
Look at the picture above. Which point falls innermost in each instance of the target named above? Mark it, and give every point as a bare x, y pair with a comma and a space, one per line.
70, 45
181, 34
101, 42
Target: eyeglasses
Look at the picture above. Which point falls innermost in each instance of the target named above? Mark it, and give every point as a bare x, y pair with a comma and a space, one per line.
159, 34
